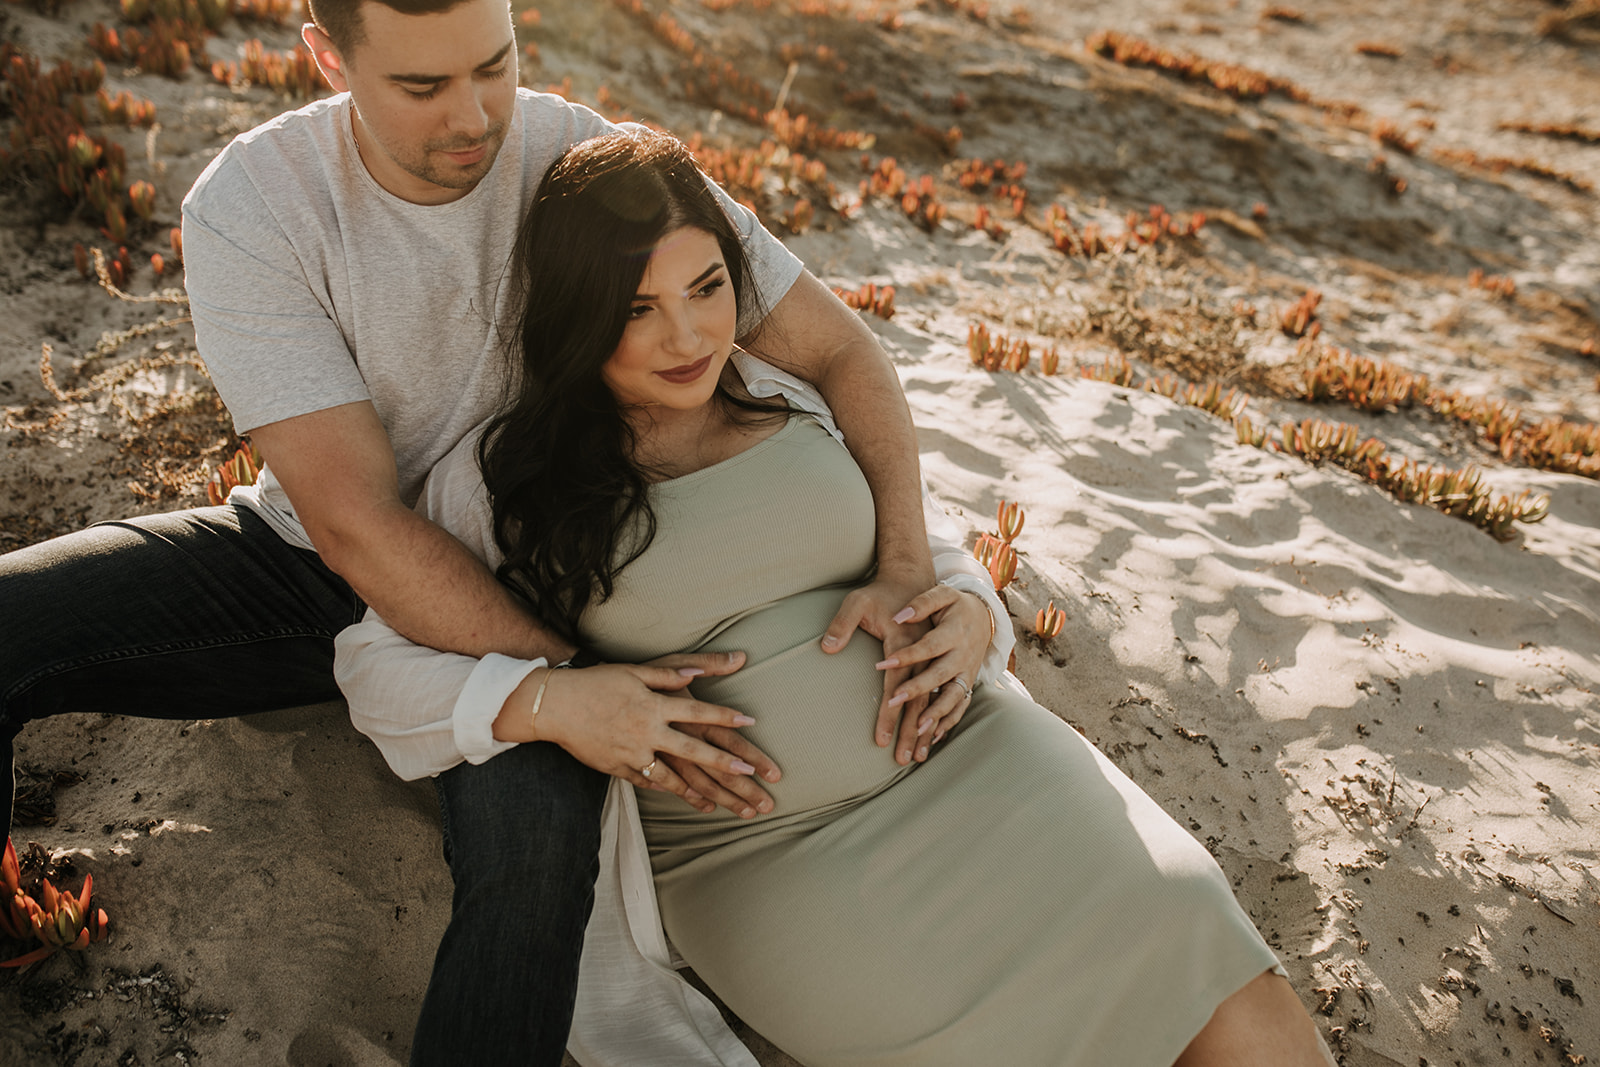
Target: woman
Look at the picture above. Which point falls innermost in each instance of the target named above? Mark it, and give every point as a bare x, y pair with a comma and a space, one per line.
1010, 898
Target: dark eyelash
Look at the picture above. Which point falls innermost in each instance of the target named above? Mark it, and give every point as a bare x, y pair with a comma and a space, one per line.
431, 93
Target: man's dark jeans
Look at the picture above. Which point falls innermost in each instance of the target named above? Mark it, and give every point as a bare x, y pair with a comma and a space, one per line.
207, 613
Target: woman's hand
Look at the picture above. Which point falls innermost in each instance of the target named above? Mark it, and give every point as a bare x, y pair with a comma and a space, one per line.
946, 660
877, 608
619, 719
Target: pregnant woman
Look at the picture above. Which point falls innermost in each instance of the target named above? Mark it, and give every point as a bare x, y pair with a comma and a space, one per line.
1009, 898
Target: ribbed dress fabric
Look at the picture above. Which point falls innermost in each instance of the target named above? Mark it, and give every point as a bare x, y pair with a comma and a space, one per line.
1016, 899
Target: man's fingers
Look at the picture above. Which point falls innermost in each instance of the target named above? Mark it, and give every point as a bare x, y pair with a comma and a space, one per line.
708, 663
723, 764
891, 706
737, 745
837, 635
702, 794
940, 718
934, 643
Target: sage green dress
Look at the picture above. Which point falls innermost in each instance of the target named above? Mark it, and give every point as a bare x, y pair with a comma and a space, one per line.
1014, 900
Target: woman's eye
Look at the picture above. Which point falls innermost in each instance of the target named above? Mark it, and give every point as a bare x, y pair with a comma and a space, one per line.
638, 310
711, 287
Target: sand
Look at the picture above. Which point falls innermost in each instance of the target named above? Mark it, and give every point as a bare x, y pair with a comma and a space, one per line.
1380, 720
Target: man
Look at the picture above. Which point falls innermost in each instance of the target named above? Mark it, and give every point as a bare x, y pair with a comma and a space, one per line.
345, 265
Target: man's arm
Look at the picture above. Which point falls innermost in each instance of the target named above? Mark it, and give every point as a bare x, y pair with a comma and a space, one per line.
338, 469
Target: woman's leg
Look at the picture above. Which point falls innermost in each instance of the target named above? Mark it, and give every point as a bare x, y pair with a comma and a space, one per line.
1262, 1025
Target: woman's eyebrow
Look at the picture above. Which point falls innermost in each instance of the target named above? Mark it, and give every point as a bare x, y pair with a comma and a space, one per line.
698, 278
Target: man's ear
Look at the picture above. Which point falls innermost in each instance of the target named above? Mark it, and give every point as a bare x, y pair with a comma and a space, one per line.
328, 59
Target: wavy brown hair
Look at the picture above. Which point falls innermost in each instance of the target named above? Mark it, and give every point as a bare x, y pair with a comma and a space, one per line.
570, 503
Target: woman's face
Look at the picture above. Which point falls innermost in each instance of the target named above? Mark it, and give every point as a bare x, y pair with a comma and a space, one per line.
680, 326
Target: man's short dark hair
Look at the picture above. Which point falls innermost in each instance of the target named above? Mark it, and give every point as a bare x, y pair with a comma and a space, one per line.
341, 19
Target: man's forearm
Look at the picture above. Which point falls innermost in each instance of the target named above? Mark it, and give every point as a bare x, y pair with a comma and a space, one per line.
877, 427
432, 590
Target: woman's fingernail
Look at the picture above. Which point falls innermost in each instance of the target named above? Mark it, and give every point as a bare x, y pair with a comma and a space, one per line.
690, 672
906, 615
830, 641
924, 726
743, 720
898, 699
741, 767
885, 664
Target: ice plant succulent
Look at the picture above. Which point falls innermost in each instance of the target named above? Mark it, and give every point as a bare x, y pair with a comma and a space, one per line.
1049, 622
1010, 518
58, 920
242, 468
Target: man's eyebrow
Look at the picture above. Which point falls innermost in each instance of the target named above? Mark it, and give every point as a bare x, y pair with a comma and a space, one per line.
434, 79
702, 276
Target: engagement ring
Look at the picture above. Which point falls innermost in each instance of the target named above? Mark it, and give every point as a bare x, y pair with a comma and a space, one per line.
647, 768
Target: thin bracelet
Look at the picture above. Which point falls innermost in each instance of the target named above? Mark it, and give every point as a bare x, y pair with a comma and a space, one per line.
538, 699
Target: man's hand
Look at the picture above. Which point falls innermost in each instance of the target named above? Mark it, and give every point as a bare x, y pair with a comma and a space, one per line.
946, 661
874, 608
708, 786
622, 718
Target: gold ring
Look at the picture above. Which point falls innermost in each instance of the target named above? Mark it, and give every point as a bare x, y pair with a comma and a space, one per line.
647, 768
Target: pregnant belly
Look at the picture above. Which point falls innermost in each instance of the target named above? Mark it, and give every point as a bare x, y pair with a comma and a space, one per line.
814, 713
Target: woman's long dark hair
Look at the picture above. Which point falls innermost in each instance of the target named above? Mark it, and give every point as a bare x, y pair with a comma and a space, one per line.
570, 503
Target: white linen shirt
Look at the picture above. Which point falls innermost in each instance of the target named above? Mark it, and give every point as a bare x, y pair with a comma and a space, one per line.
428, 711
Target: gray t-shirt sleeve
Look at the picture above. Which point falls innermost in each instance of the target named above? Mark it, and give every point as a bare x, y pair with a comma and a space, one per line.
272, 349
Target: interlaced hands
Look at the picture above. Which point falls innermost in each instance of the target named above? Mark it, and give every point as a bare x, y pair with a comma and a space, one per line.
929, 640
625, 719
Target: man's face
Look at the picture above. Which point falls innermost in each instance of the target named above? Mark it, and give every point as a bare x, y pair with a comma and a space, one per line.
433, 94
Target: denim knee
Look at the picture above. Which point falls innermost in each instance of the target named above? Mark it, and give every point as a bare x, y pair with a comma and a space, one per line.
530, 815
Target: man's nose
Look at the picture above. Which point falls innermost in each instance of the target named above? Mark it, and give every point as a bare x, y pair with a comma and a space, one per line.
467, 112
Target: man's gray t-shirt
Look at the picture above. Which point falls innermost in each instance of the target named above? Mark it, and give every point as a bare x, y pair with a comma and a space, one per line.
312, 286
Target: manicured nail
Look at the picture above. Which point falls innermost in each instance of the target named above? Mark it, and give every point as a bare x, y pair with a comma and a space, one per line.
741, 767
830, 641
924, 726
898, 699
903, 756
885, 664
690, 672
906, 615
743, 720
922, 753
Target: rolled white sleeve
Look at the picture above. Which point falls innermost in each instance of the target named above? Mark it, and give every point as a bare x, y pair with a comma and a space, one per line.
428, 710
